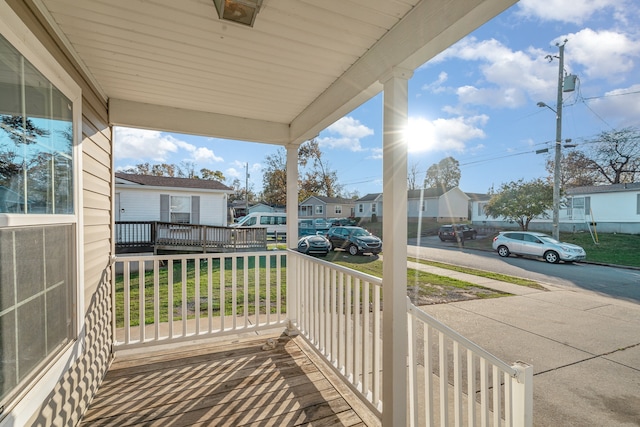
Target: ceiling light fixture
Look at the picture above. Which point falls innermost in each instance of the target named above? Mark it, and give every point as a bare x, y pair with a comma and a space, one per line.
239, 11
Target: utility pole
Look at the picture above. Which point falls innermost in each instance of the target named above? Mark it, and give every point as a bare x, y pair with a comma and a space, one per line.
246, 189
558, 155
571, 79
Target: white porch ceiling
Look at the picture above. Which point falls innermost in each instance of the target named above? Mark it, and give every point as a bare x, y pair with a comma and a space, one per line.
174, 66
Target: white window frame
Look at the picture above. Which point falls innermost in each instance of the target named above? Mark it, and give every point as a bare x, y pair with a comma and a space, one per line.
373, 208
338, 209
22, 39
319, 210
360, 207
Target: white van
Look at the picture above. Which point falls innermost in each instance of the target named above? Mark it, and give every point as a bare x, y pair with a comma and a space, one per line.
275, 222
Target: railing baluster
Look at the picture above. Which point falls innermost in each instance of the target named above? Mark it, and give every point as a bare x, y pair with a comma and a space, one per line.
156, 299
256, 296
412, 352
327, 312
267, 290
245, 290
444, 383
457, 384
334, 318
342, 344
127, 302
349, 334
496, 397
141, 300
170, 296
471, 389
429, 406
210, 294
366, 353
508, 401
322, 343
357, 343
484, 392
234, 291
279, 286
377, 346
196, 295
183, 266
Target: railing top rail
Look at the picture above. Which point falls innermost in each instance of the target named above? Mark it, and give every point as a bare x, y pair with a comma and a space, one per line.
124, 258
466, 343
363, 276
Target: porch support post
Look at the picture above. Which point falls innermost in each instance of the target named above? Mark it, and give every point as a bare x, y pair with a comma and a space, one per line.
394, 247
292, 235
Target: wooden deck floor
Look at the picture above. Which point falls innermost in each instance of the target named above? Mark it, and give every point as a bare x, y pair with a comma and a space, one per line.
226, 384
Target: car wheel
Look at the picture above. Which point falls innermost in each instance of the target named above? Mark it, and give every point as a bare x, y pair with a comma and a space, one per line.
503, 251
330, 247
353, 250
441, 239
551, 257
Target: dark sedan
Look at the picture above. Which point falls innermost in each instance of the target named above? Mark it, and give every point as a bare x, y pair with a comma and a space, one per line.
448, 232
314, 244
356, 240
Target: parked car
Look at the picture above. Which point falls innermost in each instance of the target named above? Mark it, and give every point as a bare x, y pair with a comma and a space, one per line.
315, 244
356, 240
335, 222
535, 244
448, 232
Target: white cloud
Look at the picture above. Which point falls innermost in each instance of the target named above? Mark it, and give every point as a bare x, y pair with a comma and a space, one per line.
149, 145
618, 110
509, 78
233, 173
444, 135
348, 133
576, 11
376, 154
437, 86
603, 54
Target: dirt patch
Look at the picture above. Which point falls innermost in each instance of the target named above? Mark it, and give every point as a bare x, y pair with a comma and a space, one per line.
434, 294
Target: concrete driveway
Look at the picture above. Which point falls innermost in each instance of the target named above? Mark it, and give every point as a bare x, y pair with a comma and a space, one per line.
585, 350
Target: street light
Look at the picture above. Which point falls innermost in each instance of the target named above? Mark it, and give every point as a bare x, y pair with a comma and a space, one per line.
558, 111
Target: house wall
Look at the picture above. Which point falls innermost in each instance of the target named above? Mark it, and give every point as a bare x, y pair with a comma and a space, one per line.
453, 205
143, 204
414, 207
614, 212
367, 209
62, 399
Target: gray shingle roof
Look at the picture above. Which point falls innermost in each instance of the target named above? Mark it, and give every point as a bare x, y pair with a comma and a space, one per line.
613, 188
163, 181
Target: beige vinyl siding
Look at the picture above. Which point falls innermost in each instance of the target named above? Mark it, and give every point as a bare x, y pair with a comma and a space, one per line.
82, 378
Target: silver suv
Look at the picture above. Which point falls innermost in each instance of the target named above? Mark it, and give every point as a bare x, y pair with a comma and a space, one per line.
536, 244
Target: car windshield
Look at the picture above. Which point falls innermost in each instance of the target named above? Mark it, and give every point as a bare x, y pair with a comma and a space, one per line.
360, 232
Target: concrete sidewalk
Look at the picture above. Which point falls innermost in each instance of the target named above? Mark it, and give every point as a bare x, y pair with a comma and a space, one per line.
585, 348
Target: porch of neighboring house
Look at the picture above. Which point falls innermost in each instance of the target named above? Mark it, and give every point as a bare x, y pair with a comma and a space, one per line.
280, 338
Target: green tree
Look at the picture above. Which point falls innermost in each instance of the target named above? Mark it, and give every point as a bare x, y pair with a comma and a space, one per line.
318, 179
274, 178
521, 201
576, 170
445, 174
212, 175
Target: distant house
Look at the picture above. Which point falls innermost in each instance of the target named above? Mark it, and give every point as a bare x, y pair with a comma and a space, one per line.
263, 207
326, 207
369, 205
611, 208
158, 198
438, 203
445, 205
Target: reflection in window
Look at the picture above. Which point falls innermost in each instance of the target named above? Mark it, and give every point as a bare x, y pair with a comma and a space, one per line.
181, 209
36, 140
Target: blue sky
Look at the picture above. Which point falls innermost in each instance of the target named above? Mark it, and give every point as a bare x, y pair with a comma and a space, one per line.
475, 102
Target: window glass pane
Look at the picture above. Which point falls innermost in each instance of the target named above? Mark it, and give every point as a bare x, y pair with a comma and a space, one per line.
36, 140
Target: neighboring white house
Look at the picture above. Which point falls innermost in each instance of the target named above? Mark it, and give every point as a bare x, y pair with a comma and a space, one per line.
439, 203
368, 205
183, 200
611, 208
326, 207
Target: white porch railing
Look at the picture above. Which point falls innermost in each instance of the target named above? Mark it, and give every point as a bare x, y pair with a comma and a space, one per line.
165, 298
452, 381
340, 314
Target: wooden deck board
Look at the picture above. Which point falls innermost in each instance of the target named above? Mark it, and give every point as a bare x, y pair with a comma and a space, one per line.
226, 384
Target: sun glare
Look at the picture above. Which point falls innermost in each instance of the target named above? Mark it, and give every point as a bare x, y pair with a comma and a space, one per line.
420, 134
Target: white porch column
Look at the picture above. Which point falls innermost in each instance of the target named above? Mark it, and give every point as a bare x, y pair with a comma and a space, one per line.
292, 233
394, 248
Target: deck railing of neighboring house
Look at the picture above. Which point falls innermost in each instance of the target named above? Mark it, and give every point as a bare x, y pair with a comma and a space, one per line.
166, 299
154, 235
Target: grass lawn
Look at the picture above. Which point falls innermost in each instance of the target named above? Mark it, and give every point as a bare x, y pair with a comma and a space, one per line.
243, 301
422, 287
